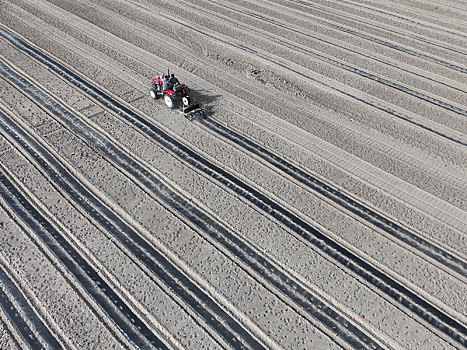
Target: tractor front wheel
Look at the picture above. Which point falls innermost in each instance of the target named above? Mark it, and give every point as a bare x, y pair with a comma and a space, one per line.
153, 91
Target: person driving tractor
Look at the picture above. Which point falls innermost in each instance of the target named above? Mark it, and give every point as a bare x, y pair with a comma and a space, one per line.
168, 82
173, 80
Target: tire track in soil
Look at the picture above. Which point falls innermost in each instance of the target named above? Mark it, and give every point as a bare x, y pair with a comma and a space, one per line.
100, 291
299, 9
12, 300
394, 290
385, 28
217, 318
107, 237
308, 303
232, 332
8, 337
270, 343
410, 119
289, 45
430, 11
395, 230
387, 109
403, 19
307, 33
385, 150
387, 225
341, 199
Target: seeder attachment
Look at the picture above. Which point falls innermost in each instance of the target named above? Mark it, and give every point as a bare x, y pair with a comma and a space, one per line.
194, 112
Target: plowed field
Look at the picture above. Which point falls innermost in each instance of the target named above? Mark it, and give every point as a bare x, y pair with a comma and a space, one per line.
321, 204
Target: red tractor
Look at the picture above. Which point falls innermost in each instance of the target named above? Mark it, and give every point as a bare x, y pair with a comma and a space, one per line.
175, 95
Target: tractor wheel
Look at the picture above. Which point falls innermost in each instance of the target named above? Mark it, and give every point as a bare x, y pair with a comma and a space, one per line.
186, 100
153, 91
169, 101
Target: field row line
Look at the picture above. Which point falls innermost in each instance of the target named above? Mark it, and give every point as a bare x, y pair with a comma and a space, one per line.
380, 280
417, 243
13, 301
132, 51
100, 290
383, 27
271, 275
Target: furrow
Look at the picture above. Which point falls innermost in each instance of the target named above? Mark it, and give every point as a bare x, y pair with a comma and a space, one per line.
96, 240
303, 32
302, 299
411, 21
101, 292
9, 338
44, 278
331, 61
389, 228
340, 14
231, 79
299, 4
229, 274
457, 8
371, 216
411, 11
390, 287
232, 332
371, 144
422, 122
12, 300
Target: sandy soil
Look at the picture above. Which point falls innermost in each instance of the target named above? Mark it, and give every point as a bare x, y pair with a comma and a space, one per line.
322, 204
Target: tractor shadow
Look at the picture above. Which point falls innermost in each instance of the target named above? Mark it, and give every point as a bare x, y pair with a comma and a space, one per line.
205, 99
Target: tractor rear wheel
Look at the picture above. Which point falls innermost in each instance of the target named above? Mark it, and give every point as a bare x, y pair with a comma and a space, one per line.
169, 101
186, 100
